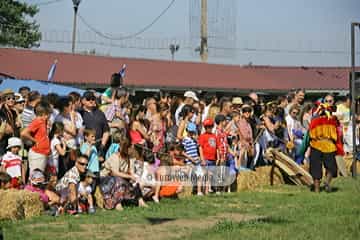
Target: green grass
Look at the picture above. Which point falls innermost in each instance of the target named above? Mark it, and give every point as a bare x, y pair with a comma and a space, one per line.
286, 212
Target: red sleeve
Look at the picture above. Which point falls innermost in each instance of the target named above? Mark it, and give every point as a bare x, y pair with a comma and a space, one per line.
201, 140
34, 126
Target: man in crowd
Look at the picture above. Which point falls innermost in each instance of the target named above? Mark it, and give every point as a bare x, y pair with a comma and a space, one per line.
95, 119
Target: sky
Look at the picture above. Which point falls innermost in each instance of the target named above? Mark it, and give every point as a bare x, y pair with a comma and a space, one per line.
278, 32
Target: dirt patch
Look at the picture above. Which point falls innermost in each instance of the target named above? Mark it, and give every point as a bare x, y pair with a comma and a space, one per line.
180, 227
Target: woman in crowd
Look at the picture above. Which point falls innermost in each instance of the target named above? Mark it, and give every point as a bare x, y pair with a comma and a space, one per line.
186, 116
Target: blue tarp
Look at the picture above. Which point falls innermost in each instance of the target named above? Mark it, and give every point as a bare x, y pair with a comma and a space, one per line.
43, 87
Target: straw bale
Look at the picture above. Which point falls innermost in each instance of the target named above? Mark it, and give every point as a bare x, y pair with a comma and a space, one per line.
99, 198
248, 180
32, 204
186, 192
19, 204
348, 163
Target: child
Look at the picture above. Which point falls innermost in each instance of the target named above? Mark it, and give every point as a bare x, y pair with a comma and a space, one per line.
58, 148
222, 145
88, 148
37, 132
12, 162
86, 201
207, 149
5, 181
38, 184
192, 153
115, 146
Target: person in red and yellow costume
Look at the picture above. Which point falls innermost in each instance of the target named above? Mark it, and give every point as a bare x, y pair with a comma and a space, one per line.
325, 143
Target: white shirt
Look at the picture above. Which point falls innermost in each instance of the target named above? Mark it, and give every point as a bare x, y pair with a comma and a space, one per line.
54, 155
82, 190
12, 164
177, 113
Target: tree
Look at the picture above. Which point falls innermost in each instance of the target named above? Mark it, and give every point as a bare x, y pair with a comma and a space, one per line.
17, 28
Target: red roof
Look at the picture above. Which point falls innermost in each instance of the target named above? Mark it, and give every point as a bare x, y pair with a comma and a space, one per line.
142, 73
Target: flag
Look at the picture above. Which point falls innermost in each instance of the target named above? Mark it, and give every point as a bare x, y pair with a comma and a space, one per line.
52, 71
122, 71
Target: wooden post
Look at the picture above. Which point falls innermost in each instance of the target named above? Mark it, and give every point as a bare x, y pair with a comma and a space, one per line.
204, 32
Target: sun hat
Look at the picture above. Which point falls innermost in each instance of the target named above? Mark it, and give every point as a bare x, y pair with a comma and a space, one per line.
237, 101
14, 142
7, 91
191, 94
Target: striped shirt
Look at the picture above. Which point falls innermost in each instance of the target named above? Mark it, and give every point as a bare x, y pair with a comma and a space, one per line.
12, 164
191, 149
28, 115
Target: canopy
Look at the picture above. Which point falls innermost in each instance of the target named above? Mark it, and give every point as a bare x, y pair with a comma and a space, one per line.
43, 87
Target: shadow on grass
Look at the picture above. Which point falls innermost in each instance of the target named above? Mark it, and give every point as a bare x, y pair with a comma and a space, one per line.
154, 221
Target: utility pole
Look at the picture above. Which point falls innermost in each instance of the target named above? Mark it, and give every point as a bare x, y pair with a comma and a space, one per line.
204, 32
353, 97
76, 4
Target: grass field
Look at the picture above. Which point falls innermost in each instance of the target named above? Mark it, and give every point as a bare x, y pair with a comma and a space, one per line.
284, 212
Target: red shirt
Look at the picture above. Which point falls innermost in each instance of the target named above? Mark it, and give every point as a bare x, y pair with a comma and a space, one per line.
207, 142
38, 130
221, 143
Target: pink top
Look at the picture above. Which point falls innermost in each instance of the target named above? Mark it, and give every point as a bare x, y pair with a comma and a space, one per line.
43, 197
136, 137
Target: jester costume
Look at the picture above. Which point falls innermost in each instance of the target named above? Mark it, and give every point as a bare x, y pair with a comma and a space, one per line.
325, 142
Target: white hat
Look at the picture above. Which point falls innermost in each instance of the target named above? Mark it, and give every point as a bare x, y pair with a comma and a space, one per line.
14, 142
19, 98
191, 94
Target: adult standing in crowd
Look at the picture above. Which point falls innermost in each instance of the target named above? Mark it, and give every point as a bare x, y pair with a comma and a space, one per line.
9, 117
95, 119
24, 92
190, 97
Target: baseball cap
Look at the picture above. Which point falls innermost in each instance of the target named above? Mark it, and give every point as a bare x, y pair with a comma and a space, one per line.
191, 94
191, 127
90, 174
19, 98
208, 123
88, 95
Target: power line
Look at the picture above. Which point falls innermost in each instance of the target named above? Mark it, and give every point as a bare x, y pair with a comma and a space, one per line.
43, 3
131, 35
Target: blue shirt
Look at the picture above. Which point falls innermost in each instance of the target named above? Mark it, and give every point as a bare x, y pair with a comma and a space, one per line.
114, 147
93, 164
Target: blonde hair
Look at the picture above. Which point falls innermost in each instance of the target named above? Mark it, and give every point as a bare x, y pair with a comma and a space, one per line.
213, 111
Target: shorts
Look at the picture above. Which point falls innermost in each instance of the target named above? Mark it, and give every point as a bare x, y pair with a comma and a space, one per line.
210, 163
317, 159
37, 161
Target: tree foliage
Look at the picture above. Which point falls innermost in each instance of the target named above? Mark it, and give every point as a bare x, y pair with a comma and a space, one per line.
17, 27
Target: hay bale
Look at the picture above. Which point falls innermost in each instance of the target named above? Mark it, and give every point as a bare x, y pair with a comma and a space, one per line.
348, 163
32, 204
11, 206
186, 192
19, 204
99, 199
248, 180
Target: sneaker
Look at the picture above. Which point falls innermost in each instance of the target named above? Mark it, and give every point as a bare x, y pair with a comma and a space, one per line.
200, 194
327, 188
155, 199
91, 210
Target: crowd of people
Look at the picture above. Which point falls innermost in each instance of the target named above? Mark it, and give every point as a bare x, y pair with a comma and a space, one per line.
72, 148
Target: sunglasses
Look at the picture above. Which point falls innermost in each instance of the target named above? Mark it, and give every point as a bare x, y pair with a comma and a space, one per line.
295, 113
247, 110
90, 99
329, 101
10, 98
82, 164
